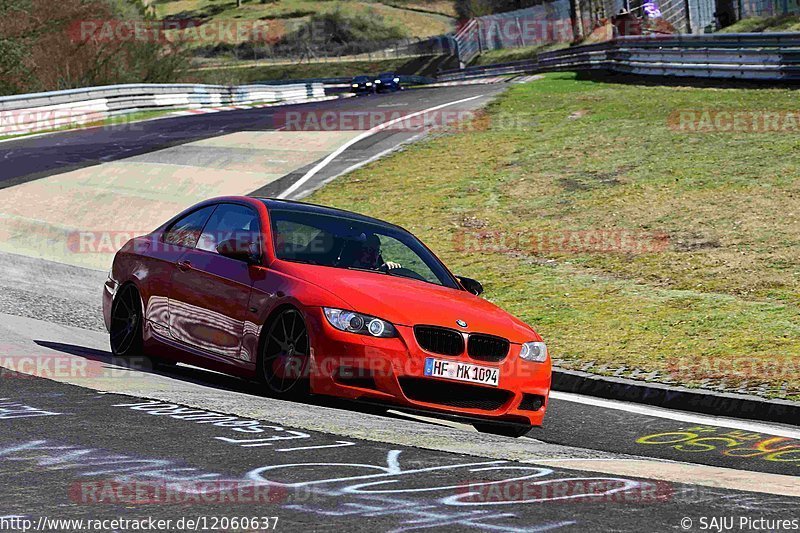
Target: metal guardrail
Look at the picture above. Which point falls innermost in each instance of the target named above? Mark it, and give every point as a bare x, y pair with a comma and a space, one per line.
743, 56
28, 113
344, 82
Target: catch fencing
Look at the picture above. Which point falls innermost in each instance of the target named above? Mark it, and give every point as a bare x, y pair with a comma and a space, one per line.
542, 24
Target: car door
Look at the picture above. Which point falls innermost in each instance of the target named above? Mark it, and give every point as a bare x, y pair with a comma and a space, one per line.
209, 292
163, 251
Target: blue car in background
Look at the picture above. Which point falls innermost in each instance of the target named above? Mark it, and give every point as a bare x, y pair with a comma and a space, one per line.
362, 85
388, 82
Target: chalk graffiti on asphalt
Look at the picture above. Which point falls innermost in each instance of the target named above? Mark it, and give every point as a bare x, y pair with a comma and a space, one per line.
412, 495
379, 479
278, 434
10, 410
95, 462
728, 442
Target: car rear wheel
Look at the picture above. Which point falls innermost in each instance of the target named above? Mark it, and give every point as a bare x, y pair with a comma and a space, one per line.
285, 354
506, 430
126, 323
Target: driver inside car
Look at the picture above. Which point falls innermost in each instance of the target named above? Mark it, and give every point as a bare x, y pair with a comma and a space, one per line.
369, 255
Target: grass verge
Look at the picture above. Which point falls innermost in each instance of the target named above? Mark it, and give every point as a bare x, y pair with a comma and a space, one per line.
239, 75
506, 55
704, 286
764, 24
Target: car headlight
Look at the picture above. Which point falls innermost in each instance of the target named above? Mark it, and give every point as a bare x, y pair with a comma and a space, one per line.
534, 351
369, 84
357, 323
377, 81
355, 85
397, 80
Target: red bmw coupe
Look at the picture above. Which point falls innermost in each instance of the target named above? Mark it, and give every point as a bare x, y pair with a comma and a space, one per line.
315, 300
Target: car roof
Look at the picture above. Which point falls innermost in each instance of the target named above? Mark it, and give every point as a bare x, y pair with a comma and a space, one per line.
386, 74
275, 203
361, 77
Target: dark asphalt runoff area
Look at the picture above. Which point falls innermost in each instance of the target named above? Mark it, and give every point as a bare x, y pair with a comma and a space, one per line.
71, 453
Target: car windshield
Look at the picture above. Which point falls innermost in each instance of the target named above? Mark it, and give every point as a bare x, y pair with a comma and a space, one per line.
350, 243
360, 79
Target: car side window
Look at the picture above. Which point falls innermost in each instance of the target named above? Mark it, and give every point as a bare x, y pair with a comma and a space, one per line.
186, 230
230, 221
300, 241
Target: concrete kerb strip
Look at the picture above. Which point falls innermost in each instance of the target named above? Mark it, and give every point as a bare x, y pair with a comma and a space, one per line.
677, 398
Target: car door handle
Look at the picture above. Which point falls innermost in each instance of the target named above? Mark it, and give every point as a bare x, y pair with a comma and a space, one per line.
183, 266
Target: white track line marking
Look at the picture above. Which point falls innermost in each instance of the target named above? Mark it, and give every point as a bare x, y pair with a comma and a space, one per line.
322, 164
360, 164
680, 416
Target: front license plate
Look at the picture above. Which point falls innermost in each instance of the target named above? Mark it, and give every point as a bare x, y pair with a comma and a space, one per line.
440, 368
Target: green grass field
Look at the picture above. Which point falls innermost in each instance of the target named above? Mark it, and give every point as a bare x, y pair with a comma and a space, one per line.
707, 284
505, 55
765, 24
236, 75
417, 18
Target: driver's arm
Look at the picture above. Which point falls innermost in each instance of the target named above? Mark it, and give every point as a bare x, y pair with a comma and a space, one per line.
388, 265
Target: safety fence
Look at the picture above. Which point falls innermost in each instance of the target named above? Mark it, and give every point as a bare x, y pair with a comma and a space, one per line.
546, 23
555, 21
44, 111
745, 56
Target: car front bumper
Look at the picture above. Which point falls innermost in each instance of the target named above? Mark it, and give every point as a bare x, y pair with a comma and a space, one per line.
392, 371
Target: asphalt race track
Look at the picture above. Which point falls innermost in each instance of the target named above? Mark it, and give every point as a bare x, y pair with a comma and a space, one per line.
79, 444
184, 443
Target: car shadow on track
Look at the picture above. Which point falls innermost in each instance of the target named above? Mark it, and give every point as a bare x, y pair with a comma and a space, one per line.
216, 380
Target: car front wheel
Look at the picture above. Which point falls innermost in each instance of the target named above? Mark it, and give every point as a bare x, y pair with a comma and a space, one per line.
285, 354
126, 323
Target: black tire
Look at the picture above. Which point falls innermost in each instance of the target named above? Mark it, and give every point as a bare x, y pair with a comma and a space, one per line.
283, 362
506, 430
126, 323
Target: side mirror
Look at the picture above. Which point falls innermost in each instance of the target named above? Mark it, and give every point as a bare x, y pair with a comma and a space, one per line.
241, 250
473, 286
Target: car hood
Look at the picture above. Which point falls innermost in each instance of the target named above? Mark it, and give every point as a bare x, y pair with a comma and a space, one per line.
409, 302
